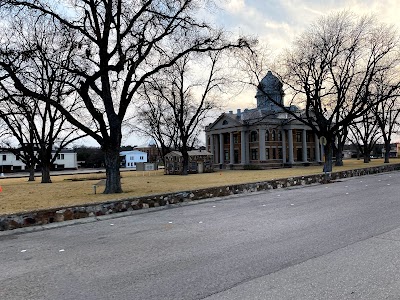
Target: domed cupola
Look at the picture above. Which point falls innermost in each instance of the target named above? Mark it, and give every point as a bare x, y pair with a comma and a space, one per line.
269, 88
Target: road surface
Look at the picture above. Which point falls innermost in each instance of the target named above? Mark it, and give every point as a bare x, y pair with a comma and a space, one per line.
334, 241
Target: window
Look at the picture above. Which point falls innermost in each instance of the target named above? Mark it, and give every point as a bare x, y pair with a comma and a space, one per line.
141, 158
267, 136
280, 154
60, 156
279, 135
226, 138
224, 122
298, 136
308, 136
226, 155
254, 154
267, 153
253, 136
235, 139
273, 135
4, 157
273, 153
17, 157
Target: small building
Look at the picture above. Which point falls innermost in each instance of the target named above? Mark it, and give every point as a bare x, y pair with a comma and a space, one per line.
130, 158
153, 153
394, 150
66, 159
200, 161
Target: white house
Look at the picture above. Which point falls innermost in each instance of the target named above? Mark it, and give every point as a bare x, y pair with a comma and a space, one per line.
130, 158
66, 159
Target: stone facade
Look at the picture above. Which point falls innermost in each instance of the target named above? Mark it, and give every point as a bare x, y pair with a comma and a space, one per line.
266, 136
200, 161
8, 222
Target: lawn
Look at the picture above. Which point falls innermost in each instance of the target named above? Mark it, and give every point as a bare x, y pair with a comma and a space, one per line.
19, 195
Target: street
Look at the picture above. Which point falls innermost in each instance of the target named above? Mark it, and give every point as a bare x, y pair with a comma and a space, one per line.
335, 241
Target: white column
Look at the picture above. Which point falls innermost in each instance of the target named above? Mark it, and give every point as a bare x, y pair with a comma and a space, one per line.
317, 151
231, 149
304, 145
283, 146
243, 147
221, 148
290, 138
212, 147
322, 153
262, 144
247, 137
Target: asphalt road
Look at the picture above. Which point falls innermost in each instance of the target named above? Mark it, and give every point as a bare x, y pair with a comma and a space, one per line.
335, 241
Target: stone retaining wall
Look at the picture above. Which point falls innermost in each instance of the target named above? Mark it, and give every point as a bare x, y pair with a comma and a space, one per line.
42, 217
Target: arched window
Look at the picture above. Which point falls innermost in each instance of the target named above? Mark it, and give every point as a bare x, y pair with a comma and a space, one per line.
253, 136
273, 135
279, 135
224, 122
267, 135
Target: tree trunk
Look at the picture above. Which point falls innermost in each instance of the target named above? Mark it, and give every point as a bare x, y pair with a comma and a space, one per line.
339, 154
387, 151
46, 174
185, 162
31, 173
366, 151
328, 157
113, 182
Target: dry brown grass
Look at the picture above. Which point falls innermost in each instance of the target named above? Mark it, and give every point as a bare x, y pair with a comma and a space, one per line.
20, 195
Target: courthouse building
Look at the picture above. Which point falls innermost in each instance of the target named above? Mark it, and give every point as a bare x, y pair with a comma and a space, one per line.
265, 136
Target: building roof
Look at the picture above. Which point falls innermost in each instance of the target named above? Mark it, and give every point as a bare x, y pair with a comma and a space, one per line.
63, 151
191, 153
270, 84
124, 153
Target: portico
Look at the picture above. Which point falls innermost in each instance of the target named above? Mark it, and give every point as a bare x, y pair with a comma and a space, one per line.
265, 136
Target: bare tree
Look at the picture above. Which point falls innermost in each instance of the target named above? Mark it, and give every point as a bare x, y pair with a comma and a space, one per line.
153, 120
364, 134
186, 98
19, 127
329, 72
118, 45
387, 109
41, 131
37, 57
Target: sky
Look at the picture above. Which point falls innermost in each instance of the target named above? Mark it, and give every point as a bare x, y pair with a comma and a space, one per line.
278, 23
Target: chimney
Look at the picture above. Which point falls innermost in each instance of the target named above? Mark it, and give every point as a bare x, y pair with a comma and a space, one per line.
239, 113
230, 112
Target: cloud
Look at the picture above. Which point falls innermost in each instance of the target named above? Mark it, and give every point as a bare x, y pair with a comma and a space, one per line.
234, 6
277, 23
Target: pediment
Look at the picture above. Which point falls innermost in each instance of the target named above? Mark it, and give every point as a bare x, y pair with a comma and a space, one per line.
225, 121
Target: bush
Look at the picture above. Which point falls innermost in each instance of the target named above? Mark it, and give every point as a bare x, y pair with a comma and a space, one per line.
252, 167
